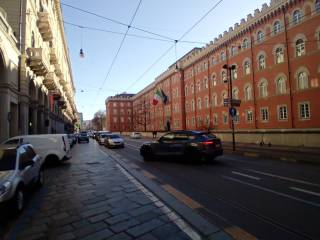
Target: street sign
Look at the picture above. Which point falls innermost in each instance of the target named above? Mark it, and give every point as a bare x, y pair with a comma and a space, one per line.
225, 102
233, 111
236, 103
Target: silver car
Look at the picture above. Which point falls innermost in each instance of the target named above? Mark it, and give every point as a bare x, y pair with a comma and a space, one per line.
20, 167
113, 140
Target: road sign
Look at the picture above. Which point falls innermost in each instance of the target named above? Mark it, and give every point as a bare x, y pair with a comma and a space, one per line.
225, 102
236, 103
233, 111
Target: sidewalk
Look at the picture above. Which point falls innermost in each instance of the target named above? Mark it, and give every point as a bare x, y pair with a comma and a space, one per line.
283, 153
94, 197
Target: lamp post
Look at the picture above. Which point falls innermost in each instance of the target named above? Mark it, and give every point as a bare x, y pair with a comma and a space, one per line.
229, 81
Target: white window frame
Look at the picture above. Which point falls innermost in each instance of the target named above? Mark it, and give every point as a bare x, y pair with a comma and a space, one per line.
264, 114
249, 116
282, 112
305, 113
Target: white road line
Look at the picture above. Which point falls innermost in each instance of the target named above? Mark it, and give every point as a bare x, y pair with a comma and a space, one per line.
285, 178
246, 175
184, 226
305, 191
272, 191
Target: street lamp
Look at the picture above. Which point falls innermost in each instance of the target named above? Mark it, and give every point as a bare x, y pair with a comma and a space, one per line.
231, 109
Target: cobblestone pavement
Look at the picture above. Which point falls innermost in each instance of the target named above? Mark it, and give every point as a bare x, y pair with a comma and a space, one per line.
92, 197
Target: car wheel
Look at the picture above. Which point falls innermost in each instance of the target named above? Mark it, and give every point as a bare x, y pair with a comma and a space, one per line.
148, 155
18, 200
40, 180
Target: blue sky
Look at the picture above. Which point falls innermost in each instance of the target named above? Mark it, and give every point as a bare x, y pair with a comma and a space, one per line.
170, 18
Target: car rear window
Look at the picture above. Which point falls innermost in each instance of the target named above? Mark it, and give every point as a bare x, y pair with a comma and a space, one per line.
7, 159
207, 136
114, 136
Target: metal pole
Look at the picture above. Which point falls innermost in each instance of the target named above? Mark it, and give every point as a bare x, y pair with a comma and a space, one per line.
230, 104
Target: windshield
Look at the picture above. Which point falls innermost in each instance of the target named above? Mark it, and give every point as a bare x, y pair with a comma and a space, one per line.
7, 159
114, 136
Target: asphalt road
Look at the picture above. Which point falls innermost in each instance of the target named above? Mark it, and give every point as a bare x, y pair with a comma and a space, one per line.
248, 197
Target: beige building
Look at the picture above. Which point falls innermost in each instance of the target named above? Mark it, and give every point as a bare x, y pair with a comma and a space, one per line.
44, 100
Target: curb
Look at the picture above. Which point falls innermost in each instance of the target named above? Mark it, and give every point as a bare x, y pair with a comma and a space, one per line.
206, 229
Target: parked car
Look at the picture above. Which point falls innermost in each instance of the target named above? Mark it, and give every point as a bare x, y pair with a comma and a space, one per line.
113, 140
72, 139
50, 147
20, 167
136, 135
83, 137
97, 135
101, 138
192, 145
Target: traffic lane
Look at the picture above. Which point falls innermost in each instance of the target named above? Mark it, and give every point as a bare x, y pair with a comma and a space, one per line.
295, 188
288, 171
244, 192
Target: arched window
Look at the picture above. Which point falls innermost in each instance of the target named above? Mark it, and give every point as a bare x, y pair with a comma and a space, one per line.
206, 102
303, 80
192, 105
234, 74
192, 88
248, 93
215, 119
223, 96
198, 86
187, 106
214, 80
317, 6
276, 27
213, 61
245, 44
279, 55
224, 77
281, 86
214, 100
263, 89
33, 42
222, 56
297, 16
235, 93
205, 83
260, 36
186, 89
300, 48
199, 103
246, 67
262, 62
233, 51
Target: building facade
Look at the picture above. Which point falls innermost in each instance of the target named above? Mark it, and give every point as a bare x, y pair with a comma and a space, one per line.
45, 102
276, 54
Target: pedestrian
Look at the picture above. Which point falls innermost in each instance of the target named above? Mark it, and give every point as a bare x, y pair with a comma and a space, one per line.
154, 134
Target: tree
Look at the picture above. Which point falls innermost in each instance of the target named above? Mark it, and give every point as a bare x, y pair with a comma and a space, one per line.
99, 119
141, 115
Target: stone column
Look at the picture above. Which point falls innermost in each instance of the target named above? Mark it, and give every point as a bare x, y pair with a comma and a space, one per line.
23, 116
34, 119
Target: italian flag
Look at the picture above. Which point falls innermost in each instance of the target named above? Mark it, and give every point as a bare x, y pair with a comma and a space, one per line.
157, 97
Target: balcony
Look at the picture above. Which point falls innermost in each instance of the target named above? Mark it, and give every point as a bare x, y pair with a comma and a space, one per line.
44, 26
57, 69
38, 61
50, 81
62, 81
53, 56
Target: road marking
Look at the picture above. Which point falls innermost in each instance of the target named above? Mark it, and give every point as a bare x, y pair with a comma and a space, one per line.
148, 174
305, 191
285, 178
248, 154
246, 175
182, 197
239, 234
272, 191
132, 146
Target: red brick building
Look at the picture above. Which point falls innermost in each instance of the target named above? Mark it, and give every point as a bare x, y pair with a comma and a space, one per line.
276, 52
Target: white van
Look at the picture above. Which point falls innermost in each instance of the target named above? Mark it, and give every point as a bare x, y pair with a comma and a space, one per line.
50, 147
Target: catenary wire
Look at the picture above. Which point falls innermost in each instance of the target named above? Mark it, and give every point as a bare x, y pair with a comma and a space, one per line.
118, 51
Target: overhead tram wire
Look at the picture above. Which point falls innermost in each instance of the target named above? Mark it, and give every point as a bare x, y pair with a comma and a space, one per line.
131, 35
190, 29
118, 51
175, 42
117, 22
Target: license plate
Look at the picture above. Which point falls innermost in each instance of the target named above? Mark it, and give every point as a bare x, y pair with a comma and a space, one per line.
218, 145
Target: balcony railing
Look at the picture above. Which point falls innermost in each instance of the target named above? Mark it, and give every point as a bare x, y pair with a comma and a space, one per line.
50, 81
57, 69
44, 26
53, 56
38, 61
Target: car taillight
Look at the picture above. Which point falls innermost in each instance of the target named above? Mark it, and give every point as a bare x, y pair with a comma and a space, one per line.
206, 143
